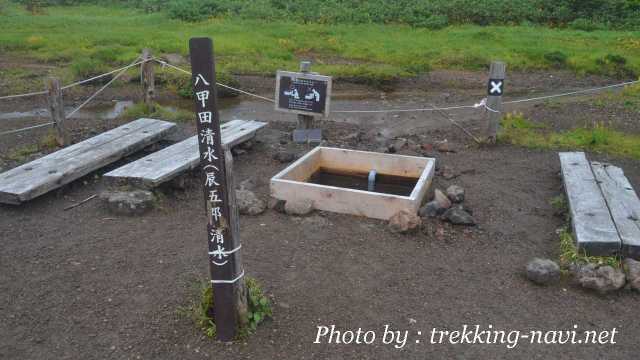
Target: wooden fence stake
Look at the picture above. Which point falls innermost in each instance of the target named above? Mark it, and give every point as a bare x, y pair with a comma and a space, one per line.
305, 121
495, 89
147, 78
229, 293
56, 109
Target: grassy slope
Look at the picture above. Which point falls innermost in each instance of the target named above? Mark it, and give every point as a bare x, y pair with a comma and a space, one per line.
90, 37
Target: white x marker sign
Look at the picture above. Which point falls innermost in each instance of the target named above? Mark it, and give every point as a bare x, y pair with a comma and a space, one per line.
496, 87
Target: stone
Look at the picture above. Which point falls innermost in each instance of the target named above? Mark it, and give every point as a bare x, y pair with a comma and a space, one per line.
397, 145
284, 156
247, 184
248, 203
632, 270
246, 145
128, 203
602, 279
457, 215
298, 207
441, 199
277, 205
354, 136
455, 193
316, 221
237, 151
543, 271
442, 146
431, 209
404, 222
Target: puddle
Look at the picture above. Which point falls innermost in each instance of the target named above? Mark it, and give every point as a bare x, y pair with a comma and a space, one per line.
101, 111
388, 184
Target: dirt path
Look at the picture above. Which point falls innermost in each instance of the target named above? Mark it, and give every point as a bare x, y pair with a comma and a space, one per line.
84, 284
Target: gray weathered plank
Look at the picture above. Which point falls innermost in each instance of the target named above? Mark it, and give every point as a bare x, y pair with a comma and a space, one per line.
164, 165
593, 226
623, 203
40, 176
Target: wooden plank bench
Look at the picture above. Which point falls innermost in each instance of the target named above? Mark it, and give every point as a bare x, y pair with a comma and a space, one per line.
164, 165
623, 204
604, 207
40, 176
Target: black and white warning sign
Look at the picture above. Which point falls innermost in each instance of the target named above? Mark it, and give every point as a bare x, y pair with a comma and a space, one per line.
303, 93
495, 87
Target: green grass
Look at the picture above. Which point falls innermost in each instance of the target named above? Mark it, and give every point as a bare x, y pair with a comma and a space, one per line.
92, 38
157, 111
598, 138
569, 253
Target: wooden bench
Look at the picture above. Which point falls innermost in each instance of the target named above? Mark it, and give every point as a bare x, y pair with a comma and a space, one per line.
604, 208
40, 176
164, 165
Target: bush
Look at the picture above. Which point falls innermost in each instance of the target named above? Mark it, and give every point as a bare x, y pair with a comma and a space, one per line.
616, 66
434, 22
192, 10
585, 25
556, 58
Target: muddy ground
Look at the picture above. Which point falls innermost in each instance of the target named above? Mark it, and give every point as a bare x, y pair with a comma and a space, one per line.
85, 284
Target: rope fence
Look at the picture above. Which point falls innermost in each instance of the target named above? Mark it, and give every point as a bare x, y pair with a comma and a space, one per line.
432, 108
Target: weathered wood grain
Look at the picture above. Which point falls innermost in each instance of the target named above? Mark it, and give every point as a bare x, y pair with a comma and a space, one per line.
164, 165
623, 203
40, 176
593, 226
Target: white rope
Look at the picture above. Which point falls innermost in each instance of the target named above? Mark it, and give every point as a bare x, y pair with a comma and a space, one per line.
78, 82
105, 74
572, 92
22, 95
26, 128
101, 89
228, 281
164, 63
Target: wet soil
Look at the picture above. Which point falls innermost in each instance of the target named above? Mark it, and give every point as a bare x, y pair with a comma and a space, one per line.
85, 284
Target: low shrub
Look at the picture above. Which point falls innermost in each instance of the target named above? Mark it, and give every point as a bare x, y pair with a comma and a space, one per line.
556, 59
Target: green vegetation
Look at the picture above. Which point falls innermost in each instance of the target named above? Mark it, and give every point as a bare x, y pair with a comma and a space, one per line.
580, 14
22, 153
259, 308
597, 138
89, 39
157, 111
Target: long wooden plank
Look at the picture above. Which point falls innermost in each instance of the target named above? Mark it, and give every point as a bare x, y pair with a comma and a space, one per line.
40, 176
593, 226
623, 203
164, 165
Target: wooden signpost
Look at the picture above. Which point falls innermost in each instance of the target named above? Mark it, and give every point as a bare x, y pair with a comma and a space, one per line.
56, 109
306, 94
495, 89
229, 294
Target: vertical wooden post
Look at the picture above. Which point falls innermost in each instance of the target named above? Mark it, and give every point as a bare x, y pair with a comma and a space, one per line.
147, 78
495, 89
229, 295
305, 121
56, 109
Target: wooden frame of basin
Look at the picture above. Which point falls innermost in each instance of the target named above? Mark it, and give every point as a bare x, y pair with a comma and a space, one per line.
291, 183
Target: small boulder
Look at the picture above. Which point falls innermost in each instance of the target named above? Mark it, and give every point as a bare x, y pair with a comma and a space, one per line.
431, 209
441, 199
284, 156
448, 173
543, 271
632, 270
602, 279
455, 193
248, 203
443, 146
457, 215
128, 203
404, 222
277, 205
247, 184
298, 207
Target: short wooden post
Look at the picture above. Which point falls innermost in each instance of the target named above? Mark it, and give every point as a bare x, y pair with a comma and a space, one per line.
229, 293
147, 78
305, 121
495, 89
56, 109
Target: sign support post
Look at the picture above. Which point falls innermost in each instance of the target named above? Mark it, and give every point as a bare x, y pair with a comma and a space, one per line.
229, 293
495, 89
305, 122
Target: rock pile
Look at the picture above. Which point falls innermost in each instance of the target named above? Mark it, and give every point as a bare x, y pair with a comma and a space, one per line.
448, 206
